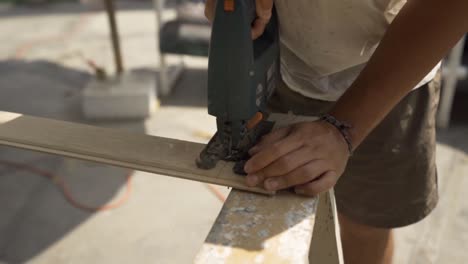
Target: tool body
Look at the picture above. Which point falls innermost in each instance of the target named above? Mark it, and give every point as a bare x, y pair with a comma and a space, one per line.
242, 74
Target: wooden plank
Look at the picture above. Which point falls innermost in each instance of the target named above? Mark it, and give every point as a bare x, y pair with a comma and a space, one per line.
120, 148
326, 241
260, 229
285, 228
281, 229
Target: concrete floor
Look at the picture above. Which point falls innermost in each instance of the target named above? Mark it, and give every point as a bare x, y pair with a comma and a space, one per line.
165, 220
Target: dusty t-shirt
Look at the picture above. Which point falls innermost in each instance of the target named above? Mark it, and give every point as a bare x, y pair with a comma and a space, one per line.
326, 43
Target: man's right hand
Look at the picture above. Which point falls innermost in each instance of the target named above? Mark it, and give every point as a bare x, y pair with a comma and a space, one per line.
264, 10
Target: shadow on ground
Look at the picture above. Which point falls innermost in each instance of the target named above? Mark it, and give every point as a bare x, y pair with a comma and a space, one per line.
34, 213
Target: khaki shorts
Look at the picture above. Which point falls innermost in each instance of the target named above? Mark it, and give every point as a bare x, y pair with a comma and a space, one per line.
391, 179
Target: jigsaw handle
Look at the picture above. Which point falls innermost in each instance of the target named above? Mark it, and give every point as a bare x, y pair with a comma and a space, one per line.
269, 35
238, 65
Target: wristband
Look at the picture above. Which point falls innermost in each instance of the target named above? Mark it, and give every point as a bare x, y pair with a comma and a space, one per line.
342, 127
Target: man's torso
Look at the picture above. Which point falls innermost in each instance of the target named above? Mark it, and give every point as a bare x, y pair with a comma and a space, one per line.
326, 43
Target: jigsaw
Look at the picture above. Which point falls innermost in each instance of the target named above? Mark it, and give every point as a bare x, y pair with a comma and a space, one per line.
242, 75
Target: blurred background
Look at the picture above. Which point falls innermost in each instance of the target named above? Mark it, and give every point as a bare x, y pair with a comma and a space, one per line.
141, 65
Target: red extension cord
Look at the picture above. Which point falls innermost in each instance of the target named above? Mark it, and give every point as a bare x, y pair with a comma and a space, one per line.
61, 184
66, 191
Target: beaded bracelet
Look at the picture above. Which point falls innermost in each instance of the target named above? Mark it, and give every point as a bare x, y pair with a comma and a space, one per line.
342, 127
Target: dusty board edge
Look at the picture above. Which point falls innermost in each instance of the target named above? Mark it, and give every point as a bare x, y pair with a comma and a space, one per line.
325, 246
288, 242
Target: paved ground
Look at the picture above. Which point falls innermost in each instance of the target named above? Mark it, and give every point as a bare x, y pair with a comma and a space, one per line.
443, 236
42, 71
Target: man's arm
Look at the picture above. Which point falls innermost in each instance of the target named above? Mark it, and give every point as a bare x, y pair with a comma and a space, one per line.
312, 156
419, 37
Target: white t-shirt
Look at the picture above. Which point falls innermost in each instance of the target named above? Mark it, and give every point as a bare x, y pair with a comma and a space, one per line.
326, 43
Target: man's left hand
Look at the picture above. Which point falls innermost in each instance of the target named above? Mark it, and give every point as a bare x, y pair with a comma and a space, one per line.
309, 156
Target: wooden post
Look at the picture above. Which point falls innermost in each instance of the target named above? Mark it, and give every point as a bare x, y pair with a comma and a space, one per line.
254, 228
110, 9
326, 243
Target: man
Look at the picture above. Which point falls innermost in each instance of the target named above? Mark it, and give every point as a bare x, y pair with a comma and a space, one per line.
371, 67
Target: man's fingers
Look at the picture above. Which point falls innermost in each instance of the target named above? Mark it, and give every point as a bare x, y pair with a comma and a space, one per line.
272, 152
322, 184
264, 9
269, 139
209, 9
301, 175
290, 162
258, 27
282, 166
254, 179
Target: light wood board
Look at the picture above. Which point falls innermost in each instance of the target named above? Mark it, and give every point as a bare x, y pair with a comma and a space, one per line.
285, 228
115, 147
255, 228
325, 246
